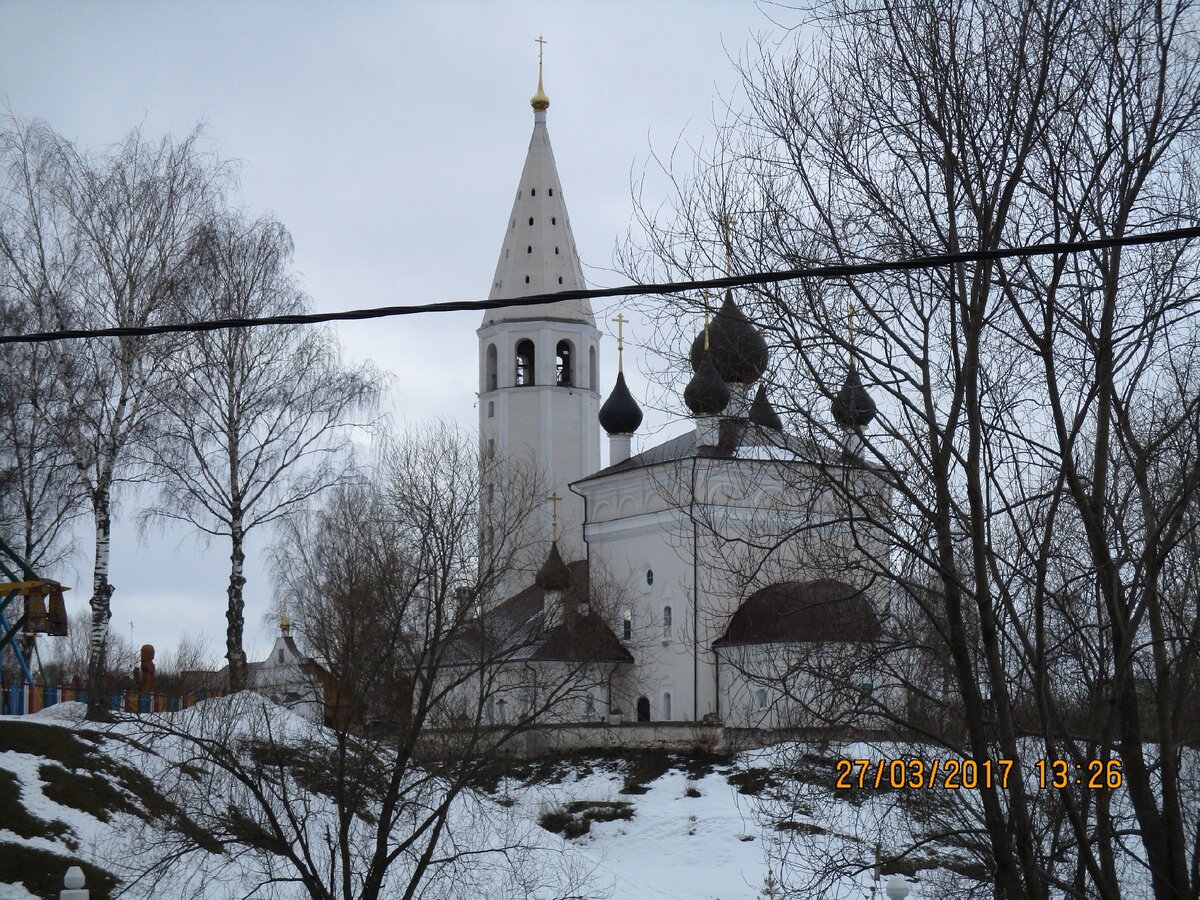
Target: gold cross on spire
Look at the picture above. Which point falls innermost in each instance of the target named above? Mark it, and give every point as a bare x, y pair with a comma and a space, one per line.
621, 323
704, 294
554, 498
540, 101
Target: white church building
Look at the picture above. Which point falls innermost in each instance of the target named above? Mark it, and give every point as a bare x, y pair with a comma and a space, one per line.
707, 622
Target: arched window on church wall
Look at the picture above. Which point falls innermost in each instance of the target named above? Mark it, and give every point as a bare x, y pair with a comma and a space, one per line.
593, 372
666, 709
563, 364
666, 622
524, 368
490, 382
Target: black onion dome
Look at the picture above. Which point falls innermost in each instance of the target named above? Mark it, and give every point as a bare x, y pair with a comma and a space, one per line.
739, 351
853, 406
706, 394
762, 413
620, 413
554, 574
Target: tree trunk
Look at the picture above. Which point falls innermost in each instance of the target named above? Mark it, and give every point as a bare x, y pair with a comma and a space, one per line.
234, 651
102, 591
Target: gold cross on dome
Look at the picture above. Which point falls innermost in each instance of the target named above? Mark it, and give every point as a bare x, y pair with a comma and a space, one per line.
554, 498
541, 42
850, 326
704, 294
727, 240
621, 323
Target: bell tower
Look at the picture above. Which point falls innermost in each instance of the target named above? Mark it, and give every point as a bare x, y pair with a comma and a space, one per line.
538, 370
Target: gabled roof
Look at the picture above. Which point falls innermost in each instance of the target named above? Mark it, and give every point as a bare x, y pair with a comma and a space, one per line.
219, 680
739, 439
516, 630
802, 612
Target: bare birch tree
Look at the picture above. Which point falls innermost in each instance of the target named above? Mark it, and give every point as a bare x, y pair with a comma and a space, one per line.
103, 240
39, 494
256, 421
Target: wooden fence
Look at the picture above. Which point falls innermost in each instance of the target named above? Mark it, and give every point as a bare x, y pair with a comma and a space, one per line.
23, 699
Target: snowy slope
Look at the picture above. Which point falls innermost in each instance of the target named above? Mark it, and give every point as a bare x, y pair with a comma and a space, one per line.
691, 833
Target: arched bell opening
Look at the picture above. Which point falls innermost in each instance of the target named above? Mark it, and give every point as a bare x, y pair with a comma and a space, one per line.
524, 375
564, 361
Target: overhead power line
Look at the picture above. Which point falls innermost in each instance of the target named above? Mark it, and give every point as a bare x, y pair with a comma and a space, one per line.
673, 287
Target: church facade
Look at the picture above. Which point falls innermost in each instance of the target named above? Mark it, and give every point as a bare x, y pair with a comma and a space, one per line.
695, 578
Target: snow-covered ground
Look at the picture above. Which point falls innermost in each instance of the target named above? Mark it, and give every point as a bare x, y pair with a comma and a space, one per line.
691, 834
661, 826
674, 846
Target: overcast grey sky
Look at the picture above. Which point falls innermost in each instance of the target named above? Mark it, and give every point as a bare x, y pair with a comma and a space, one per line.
389, 139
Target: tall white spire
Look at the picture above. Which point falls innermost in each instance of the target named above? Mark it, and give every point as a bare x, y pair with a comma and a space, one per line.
538, 255
538, 365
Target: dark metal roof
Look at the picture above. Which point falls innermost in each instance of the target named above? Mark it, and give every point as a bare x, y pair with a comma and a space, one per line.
620, 413
739, 439
554, 574
853, 407
516, 630
706, 394
582, 638
792, 611
739, 352
762, 413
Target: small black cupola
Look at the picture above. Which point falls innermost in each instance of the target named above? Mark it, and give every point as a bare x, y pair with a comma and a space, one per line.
739, 352
554, 574
620, 413
762, 413
853, 407
706, 394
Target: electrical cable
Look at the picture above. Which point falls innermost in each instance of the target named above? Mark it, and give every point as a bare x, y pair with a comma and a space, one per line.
675, 287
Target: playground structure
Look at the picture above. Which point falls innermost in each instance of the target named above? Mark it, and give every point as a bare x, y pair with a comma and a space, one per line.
29, 606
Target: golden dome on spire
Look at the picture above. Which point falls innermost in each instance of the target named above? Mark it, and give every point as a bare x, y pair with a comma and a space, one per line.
539, 101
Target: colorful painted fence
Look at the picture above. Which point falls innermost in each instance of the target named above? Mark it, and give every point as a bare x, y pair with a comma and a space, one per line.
23, 699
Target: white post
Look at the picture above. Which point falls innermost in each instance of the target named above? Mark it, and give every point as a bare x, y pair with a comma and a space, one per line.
708, 430
619, 448
74, 886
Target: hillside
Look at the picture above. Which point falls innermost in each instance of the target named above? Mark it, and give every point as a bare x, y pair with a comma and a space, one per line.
644, 825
